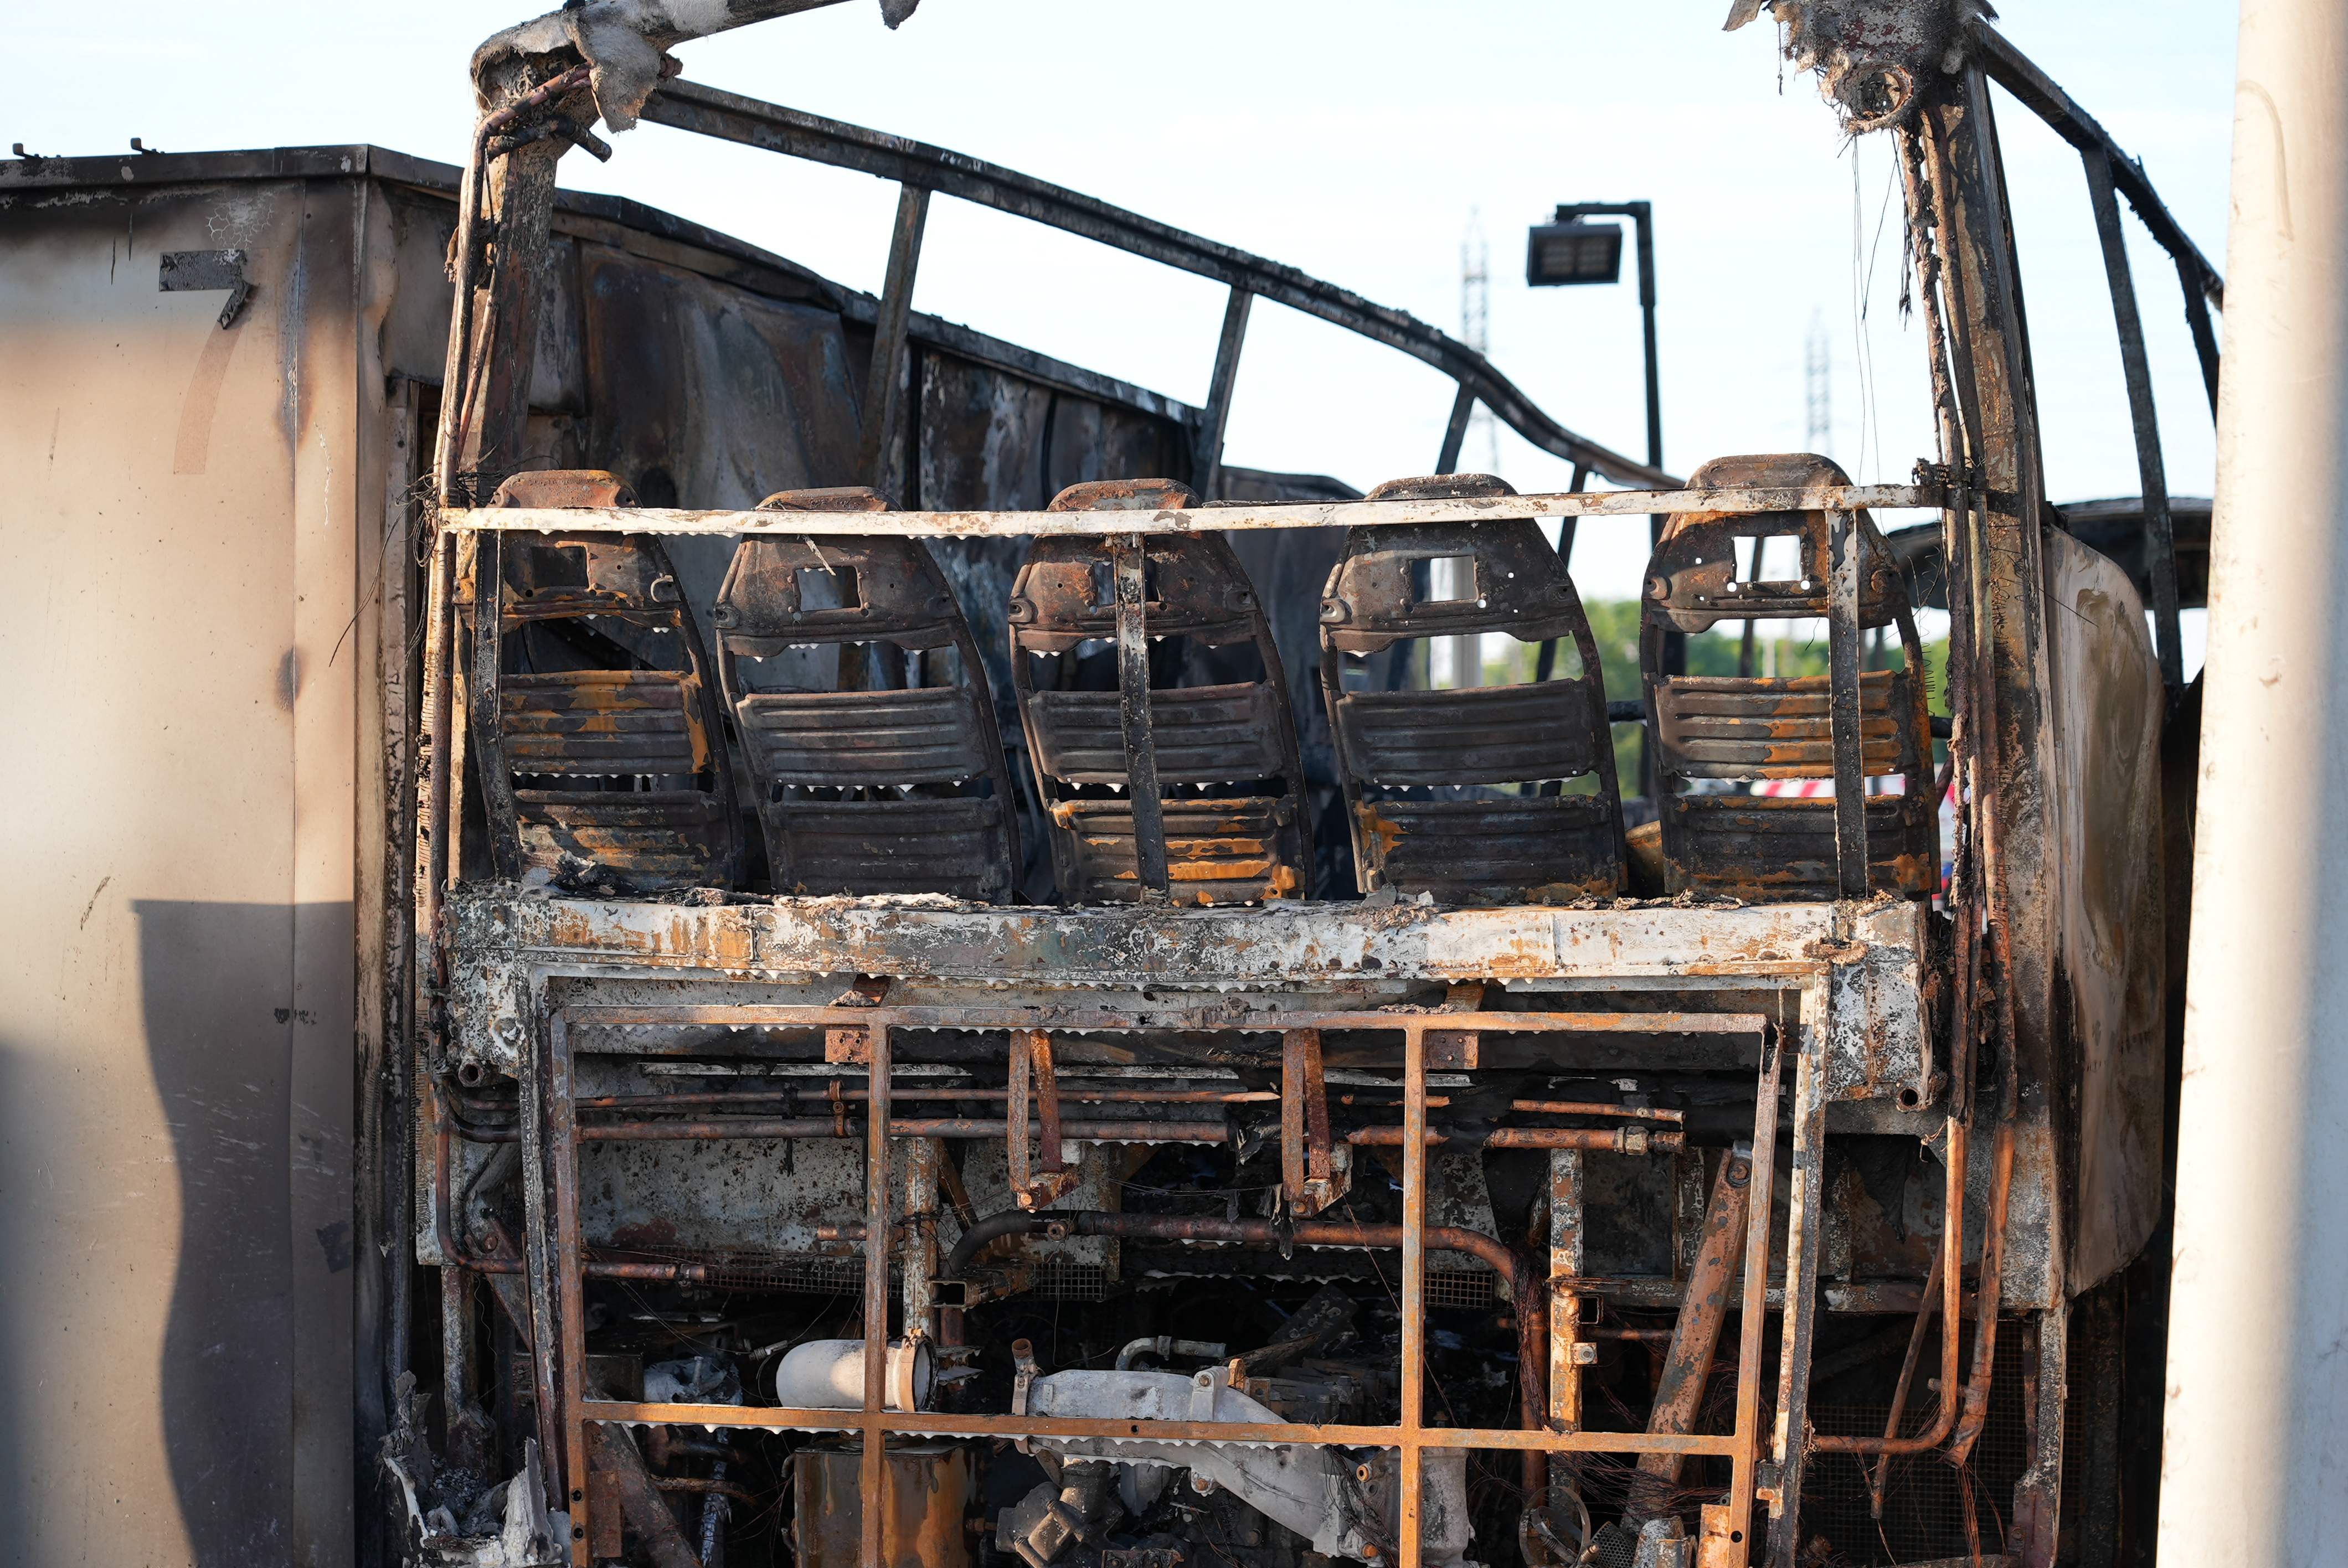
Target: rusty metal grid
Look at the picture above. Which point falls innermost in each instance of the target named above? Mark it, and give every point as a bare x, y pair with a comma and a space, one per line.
555, 1237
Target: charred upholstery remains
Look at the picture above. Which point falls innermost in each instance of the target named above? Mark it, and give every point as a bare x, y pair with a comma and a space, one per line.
601, 758
872, 786
1747, 728
1215, 763
1423, 771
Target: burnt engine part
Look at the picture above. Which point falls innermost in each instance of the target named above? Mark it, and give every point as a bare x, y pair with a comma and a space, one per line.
872, 786
1427, 774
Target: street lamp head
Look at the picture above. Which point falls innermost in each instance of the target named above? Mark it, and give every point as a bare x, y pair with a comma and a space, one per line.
1575, 250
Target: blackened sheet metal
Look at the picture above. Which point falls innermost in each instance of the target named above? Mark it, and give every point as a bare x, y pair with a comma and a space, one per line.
1750, 728
203, 270
2107, 720
1454, 793
866, 788
630, 783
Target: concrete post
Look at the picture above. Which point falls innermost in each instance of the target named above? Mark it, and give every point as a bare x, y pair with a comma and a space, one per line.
2255, 1470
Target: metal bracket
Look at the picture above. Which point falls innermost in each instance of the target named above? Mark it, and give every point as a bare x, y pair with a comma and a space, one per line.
1049, 1178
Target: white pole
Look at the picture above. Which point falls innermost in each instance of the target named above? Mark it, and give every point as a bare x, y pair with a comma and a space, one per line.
2255, 1467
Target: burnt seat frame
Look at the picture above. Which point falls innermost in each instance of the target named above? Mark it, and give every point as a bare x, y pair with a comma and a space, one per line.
1190, 849
1552, 846
1847, 726
660, 840
964, 844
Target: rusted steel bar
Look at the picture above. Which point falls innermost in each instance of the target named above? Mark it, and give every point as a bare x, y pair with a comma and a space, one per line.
884, 396
874, 1475
561, 1121
1990, 1280
1593, 1108
2160, 532
1414, 1293
941, 1423
1609, 1139
1881, 1475
1947, 1270
539, 1251
729, 117
1806, 1213
1130, 570
1070, 1094
1207, 459
1567, 1260
1743, 1479
751, 1127
1086, 1019
1740, 500
1305, 1171
1842, 663
1679, 1391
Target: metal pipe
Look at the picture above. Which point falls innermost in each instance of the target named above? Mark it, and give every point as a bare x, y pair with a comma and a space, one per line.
1679, 1390
1162, 1346
1532, 1316
1613, 1139
1069, 1093
1948, 1268
1610, 1140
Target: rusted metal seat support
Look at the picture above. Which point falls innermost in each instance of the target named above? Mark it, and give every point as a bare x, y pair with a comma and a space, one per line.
1188, 794
1849, 725
1426, 772
603, 761
870, 787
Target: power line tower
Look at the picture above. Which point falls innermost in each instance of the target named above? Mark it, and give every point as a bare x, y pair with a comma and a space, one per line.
1475, 330
1818, 372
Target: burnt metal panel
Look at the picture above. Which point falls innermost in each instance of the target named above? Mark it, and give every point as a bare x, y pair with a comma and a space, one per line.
1204, 734
1462, 849
1482, 734
2107, 720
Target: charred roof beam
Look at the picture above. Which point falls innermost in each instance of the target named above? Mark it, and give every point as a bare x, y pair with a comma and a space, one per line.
729, 117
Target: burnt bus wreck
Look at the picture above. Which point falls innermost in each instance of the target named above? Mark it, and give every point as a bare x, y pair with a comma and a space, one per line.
950, 1028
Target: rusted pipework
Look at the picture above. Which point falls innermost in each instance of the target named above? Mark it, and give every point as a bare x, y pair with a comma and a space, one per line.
1696, 1339
1606, 1140
1630, 1140
1951, 1268
1990, 1285
1531, 1310
1069, 1094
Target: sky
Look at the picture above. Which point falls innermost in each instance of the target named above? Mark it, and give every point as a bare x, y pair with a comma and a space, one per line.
1359, 140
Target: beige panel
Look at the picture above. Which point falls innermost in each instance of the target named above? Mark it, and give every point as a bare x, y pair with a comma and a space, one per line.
176, 947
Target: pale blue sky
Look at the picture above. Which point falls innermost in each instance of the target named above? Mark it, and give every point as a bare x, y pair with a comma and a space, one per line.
1351, 140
